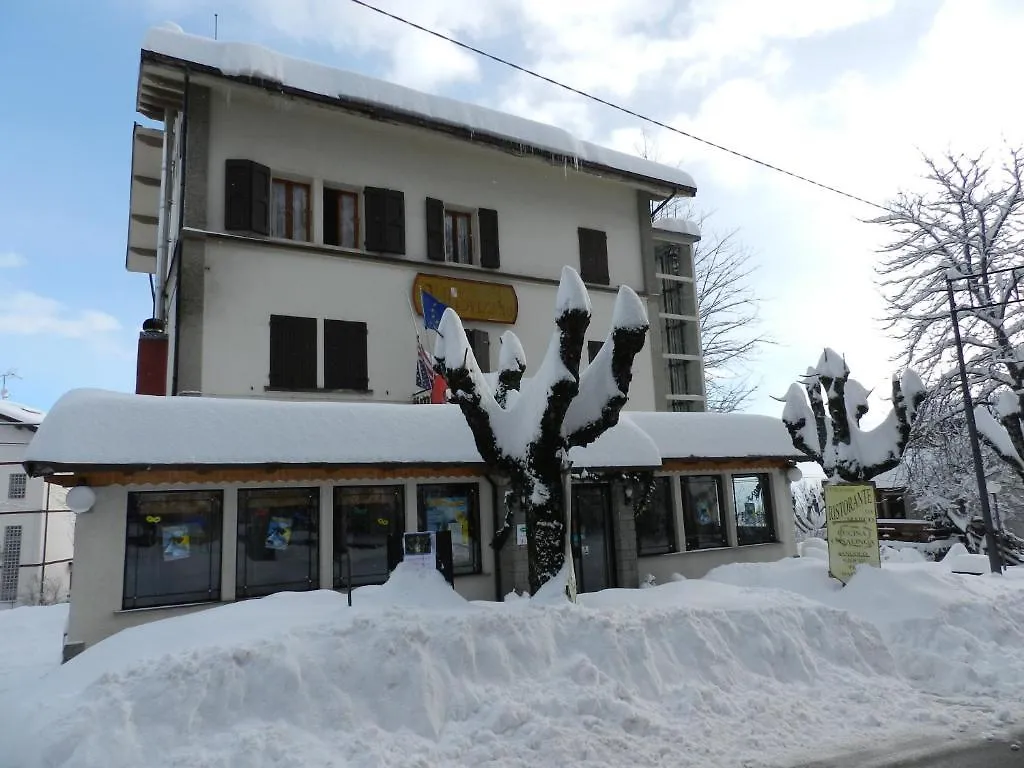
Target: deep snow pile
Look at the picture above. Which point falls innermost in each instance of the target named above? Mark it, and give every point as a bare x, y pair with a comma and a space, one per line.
754, 665
30, 640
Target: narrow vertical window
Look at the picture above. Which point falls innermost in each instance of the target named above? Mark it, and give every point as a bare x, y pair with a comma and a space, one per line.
290, 210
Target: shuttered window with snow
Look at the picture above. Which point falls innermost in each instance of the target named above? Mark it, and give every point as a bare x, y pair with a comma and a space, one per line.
593, 256
246, 197
451, 237
480, 343
278, 541
172, 549
385, 220
345, 353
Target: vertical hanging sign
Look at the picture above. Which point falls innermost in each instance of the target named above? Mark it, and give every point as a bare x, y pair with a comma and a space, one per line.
852, 528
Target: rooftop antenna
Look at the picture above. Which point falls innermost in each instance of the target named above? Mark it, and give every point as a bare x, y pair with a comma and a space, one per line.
9, 374
215, 26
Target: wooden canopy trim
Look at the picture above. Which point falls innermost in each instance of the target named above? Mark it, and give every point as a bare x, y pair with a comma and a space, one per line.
228, 475
724, 465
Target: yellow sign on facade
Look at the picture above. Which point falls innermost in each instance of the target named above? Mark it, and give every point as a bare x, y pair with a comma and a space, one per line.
852, 528
472, 299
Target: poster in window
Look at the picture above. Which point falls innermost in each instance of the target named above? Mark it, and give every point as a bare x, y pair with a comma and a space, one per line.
177, 542
279, 533
451, 513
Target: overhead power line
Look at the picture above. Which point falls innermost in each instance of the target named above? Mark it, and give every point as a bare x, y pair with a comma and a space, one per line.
617, 107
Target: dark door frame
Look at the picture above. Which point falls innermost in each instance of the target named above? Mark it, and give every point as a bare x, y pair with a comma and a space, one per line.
611, 570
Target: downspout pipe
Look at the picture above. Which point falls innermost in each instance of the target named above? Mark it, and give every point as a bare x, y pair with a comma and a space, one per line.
163, 223
181, 221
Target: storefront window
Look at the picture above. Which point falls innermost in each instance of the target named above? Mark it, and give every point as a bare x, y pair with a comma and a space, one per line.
172, 548
753, 503
655, 526
364, 517
453, 507
702, 513
278, 540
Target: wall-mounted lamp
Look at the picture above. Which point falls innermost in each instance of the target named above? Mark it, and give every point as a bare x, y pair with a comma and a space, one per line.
794, 475
81, 499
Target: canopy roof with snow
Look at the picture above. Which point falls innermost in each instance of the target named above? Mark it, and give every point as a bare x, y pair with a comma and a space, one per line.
91, 429
167, 51
19, 415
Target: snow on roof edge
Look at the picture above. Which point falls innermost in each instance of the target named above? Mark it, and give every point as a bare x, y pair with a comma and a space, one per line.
98, 428
679, 226
250, 60
18, 414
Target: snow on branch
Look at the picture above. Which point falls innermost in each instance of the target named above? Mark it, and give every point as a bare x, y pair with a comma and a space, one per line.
823, 418
1001, 429
524, 427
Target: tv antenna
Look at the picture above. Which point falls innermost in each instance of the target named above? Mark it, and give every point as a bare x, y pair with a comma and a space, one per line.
9, 374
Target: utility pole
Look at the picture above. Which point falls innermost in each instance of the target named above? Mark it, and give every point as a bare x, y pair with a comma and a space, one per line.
994, 560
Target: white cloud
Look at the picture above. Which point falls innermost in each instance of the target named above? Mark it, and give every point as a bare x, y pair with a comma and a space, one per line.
25, 313
11, 260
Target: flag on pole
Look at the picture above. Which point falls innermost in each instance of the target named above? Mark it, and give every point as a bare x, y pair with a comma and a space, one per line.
424, 368
432, 310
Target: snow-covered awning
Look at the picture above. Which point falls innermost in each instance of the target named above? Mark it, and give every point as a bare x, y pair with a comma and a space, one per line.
93, 429
167, 48
716, 435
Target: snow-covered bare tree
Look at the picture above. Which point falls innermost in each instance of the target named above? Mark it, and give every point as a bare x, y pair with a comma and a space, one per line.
524, 428
968, 225
808, 508
728, 310
823, 418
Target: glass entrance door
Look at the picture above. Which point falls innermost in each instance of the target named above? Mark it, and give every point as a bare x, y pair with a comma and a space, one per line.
592, 541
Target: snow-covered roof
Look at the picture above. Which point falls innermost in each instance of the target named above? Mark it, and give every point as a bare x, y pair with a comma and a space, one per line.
20, 414
716, 435
679, 226
98, 428
252, 61
93, 428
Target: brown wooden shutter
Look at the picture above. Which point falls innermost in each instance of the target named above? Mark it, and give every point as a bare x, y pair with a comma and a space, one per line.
374, 204
345, 355
394, 222
293, 352
593, 347
593, 256
489, 253
435, 229
260, 199
480, 343
332, 228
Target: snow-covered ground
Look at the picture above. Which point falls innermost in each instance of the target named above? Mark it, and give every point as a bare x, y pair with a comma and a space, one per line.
756, 664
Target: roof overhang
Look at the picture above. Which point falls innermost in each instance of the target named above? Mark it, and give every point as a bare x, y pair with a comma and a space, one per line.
144, 199
162, 86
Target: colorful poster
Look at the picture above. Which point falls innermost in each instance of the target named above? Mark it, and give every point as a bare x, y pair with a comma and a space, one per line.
279, 533
852, 529
177, 542
419, 549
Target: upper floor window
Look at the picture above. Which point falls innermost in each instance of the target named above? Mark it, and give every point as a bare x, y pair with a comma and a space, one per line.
451, 237
593, 256
341, 217
289, 210
458, 237
16, 485
295, 351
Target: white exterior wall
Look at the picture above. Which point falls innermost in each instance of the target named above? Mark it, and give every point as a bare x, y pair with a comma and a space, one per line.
59, 528
539, 206
695, 564
245, 284
539, 210
96, 612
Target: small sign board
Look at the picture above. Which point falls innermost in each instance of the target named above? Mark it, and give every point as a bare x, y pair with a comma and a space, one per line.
521, 535
852, 528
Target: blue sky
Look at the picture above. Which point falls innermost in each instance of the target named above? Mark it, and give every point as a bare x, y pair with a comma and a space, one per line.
846, 92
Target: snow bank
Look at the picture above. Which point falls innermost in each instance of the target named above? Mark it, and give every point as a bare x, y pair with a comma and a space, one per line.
30, 645
247, 60
757, 663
